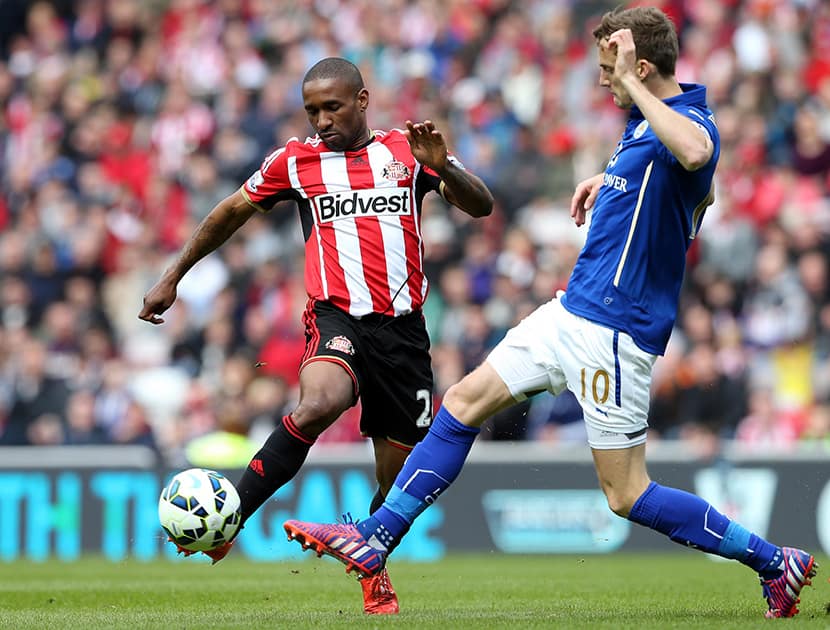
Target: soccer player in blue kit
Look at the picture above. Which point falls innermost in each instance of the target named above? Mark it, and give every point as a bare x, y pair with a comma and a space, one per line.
602, 337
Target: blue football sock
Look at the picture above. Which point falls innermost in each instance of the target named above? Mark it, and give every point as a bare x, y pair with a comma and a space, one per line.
689, 520
431, 467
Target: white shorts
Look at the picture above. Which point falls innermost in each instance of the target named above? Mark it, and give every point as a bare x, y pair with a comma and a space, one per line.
552, 349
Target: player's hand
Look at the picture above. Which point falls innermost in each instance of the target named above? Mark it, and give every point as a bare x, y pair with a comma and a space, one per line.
427, 144
157, 300
584, 197
626, 60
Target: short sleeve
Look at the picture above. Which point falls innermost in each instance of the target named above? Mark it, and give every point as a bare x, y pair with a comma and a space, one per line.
704, 120
270, 183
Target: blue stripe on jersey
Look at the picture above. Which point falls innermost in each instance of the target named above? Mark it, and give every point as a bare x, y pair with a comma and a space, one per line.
647, 212
618, 387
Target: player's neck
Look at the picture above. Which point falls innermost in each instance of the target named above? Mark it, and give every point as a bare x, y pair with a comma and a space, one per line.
664, 88
363, 139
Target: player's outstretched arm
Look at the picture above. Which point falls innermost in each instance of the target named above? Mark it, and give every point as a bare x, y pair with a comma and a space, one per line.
461, 188
686, 139
225, 218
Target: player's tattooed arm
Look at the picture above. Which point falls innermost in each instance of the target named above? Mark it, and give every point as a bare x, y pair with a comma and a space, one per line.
460, 187
225, 218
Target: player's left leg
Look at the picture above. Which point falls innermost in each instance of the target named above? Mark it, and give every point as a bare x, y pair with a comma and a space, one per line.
389, 459
397, 410
379, 596
611, 377
689, 520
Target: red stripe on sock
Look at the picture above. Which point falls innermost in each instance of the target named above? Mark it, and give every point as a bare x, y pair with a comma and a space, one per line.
288, 423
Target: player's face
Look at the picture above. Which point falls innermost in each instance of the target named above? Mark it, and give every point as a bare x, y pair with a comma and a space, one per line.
607, 61
337, 113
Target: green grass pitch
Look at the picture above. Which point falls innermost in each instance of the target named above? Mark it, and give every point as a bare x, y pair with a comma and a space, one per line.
643, 591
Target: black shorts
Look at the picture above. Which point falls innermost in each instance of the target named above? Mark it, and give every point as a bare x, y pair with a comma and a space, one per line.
389, 361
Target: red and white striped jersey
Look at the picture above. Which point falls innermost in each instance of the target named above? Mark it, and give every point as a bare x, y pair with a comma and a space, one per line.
361, 218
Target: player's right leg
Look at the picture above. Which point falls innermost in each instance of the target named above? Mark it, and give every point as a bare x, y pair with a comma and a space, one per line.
512, 369
326, 391
329, 384
431, 467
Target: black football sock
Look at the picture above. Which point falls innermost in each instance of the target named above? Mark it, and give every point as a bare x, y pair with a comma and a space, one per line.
276, 463
377, 501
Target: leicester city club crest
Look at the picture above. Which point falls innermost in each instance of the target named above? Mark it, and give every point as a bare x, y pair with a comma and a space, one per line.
641, 129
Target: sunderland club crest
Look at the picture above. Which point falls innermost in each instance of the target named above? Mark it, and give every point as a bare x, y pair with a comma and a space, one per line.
396, 171
340, 344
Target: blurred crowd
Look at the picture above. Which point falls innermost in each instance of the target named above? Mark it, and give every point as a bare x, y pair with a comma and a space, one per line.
122, 122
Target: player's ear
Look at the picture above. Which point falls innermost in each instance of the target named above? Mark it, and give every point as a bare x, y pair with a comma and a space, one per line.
363, 99
643, 69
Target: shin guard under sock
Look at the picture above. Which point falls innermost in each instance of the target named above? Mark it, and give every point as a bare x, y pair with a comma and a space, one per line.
276, 463
431, 467
689, 520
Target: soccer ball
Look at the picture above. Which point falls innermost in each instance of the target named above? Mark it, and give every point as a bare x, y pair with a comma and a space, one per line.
199, 509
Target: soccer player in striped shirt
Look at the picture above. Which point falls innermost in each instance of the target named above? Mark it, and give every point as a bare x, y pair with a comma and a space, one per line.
601, 338
359, 193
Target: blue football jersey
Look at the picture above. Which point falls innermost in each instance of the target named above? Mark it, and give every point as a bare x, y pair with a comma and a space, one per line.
629, 273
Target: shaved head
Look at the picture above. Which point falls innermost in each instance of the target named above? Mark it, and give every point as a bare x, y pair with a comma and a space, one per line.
336, 68
335, 102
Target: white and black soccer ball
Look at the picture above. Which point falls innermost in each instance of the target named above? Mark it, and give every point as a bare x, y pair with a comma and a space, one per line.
199, 509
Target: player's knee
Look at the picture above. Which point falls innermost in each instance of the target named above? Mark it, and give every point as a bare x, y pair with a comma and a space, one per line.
620, 503
314, 414
459, 401
468, 401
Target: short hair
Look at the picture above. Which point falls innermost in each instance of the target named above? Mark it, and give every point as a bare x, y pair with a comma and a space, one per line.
655, 36
336, 68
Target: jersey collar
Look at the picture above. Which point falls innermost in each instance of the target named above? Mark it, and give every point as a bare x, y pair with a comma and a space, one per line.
693, 94
365, 144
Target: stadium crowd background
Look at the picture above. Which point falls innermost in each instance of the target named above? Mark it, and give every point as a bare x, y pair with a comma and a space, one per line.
124, 121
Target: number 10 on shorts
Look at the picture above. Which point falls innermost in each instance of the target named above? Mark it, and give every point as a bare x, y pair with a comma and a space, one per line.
600, 385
